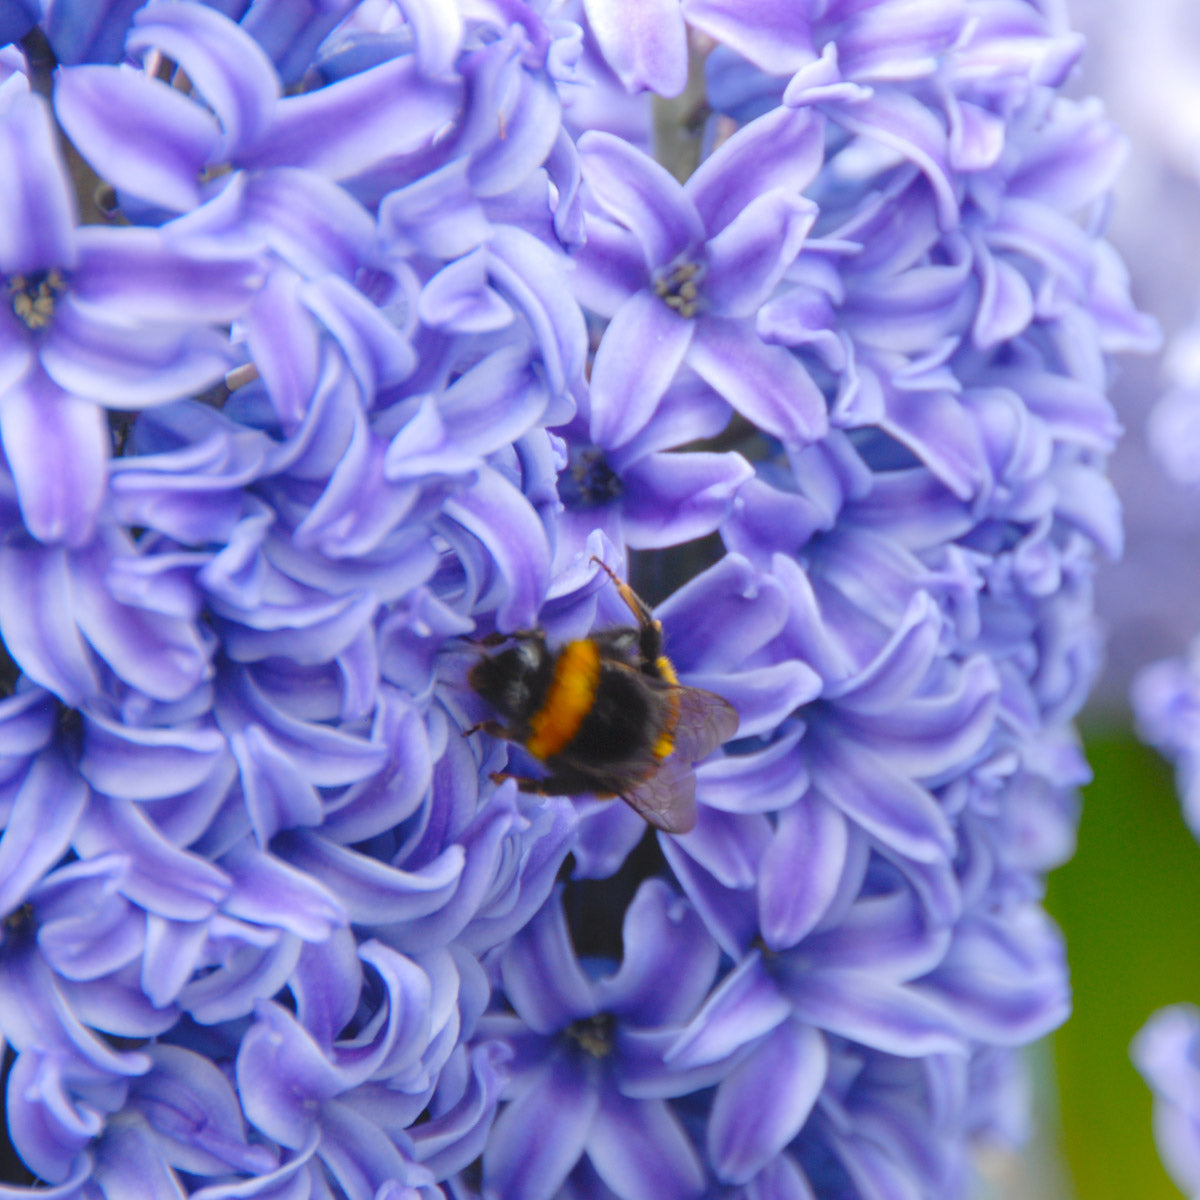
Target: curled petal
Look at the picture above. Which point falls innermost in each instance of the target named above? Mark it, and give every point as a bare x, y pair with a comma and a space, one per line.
645, 43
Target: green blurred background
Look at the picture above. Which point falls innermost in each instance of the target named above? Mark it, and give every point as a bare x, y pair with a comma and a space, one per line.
1128, 904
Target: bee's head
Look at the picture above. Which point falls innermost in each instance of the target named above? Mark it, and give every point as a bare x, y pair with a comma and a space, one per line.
513, 680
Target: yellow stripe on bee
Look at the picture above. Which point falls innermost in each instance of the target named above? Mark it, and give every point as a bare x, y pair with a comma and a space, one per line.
569, 699
665, 742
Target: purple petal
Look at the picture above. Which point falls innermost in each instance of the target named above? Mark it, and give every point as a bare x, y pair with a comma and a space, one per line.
40, 424
747, 1005
888, 805
348, 126
162, 655
640, 1149
493, 511
535, 282
782, 150
542, 977
728, 846
141, 274
282, 1076
890, 935
721, 617
162, 878
459, 299
775, 35
645, 43
36, 232
1005, 982
643, 195
763, 696
898, 41
37, 620
47, 1124
129, 368
225, 64
39, 827
437, 214
609, 267
372, 892
145, 763
765, 1100
637, 359
801, 870
904, 124
763, 781
875, 1012
660, 927
750, 254
766, 384
729, 914
540, 1135
140, 134
673, 498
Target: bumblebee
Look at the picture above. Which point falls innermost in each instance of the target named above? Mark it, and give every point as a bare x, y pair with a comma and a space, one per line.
606, 714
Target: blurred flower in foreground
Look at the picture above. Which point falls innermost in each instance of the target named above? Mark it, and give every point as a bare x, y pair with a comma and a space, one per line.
383, 320
1167, 1053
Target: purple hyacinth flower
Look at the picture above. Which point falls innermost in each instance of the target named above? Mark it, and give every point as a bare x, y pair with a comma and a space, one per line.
682, 270
94, 317
587, 1077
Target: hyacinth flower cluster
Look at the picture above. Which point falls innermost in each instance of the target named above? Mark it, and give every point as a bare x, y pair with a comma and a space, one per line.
1166, 701
339, 338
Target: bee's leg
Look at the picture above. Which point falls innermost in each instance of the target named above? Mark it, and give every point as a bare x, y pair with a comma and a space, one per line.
493, 727
550, 785
517, 635
650, 641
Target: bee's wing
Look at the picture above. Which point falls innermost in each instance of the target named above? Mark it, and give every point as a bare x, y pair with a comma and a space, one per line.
706, 721
667, 799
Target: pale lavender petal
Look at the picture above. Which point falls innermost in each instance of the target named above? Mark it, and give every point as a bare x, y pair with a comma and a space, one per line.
750, 254
645, 43
37, 619
164, 656
140, 134
225, 64
493, 511
35, 196
39, 827
129, 368
371, 892
761, 781
775, 35
535, 281
766, 384
348, 126
162, 878
673, 498
782, 150
282, 1076
641, 194
609, 267
801, 870
762, 1104
144, 763
41, 424
888, 805
638, 358
144, 275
